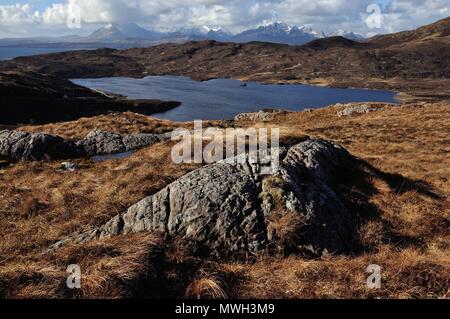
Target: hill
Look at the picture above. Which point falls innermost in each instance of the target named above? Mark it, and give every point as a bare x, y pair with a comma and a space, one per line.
439, 30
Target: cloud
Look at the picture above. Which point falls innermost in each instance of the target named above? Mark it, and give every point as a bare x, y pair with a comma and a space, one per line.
12, 15
408, 14
235, 15
56, 14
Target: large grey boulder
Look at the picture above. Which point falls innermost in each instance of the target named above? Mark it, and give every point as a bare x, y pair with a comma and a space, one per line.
229, 208
24, 146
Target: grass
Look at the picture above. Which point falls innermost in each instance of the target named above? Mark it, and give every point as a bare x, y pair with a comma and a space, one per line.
122, 123
207, 286
405, 153
284, 226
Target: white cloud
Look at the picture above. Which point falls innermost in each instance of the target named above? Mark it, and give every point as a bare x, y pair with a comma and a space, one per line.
11, 15
56, 14
408, 14
234, 15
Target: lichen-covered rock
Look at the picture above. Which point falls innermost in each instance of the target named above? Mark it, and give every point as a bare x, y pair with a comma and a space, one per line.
226, 209
24, 146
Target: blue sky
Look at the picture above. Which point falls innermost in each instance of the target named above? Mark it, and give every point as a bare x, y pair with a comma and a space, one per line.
37, 4
27, 18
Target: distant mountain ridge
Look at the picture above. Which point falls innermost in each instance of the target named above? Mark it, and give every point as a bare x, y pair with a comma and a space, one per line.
277, 32
346, 34
117, 32
134, 35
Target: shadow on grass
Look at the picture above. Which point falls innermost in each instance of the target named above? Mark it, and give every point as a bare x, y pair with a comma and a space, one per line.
400, 184
177, 268
355, 186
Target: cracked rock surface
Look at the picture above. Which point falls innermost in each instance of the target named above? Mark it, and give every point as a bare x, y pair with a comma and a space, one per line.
222, 209
24, 146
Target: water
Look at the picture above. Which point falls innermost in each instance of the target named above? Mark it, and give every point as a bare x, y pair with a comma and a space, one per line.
223, 99
8, 53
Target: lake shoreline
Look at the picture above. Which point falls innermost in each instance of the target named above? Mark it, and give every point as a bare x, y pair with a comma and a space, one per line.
32, 98
219, 99
314, 64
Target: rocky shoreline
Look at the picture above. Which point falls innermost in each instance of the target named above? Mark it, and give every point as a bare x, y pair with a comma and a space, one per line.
34, 98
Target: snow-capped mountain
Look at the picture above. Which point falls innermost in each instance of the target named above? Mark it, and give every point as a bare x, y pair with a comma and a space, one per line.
119, 32
218, 34
346, 34
114, 32
276, 32
131, 35
279, 33
203, 33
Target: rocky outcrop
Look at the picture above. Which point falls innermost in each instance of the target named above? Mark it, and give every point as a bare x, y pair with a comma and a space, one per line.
228, 208
23, 146
101, 142
260, 116
358, 109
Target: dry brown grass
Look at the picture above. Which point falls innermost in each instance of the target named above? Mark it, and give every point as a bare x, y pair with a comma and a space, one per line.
406, 151
406, 273
284, 227
40, 204
206, 286
122, 123
111, 268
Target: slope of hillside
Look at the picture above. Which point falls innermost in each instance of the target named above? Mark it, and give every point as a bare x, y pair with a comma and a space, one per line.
435, 31
404, 189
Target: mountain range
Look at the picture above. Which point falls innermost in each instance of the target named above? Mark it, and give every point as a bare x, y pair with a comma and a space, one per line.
131, 34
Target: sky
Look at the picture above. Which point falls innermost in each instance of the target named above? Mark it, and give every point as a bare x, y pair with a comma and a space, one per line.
31, 18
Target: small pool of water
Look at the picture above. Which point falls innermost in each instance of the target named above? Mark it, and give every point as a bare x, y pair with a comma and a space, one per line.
223, 98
